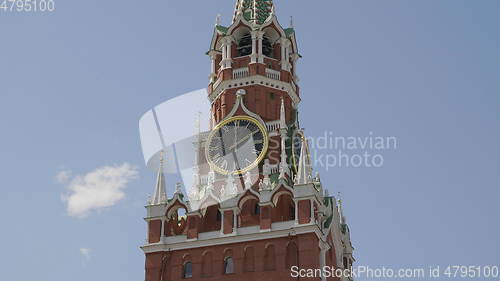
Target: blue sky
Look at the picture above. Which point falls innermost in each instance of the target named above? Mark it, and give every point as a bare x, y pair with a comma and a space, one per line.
74, 83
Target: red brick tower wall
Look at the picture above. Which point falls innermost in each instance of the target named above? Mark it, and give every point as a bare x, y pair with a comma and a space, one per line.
254, 260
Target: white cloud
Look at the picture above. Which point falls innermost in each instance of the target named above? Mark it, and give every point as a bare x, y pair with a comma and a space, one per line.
85, 252
63, 176
97, 190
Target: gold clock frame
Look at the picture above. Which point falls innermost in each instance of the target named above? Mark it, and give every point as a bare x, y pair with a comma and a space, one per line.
254, 164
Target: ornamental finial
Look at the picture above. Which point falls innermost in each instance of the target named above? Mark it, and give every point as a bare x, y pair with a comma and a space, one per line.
178, 188
217, 19
162, 159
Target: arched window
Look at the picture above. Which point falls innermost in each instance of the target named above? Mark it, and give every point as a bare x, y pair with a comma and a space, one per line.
250, 212
211, 220
249, 260
267, 47
245, 45
188, 270
269, 258
228, 265
285, 209
177, 221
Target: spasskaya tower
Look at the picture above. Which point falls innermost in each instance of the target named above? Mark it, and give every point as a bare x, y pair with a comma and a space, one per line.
255, 210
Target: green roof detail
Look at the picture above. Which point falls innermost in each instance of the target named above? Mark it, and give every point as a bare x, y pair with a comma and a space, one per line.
289, 32
274, 179
344, 228
256, 11
328, 201
328, 221
221, 29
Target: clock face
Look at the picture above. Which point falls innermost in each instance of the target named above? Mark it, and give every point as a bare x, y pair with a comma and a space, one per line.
236, 145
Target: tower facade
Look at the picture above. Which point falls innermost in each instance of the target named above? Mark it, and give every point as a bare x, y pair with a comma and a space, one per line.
255, 211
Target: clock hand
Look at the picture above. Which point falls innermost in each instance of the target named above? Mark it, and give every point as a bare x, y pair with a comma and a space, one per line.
242, 140
235, 134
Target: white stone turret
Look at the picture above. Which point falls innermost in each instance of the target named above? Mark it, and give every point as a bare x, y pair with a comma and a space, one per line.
304, 173
230, 189
283, 126
265, 184
284, 169
160, 193
211, 180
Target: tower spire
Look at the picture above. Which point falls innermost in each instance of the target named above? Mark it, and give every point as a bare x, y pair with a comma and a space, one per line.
304, 173
160, 193
283, 134
282, 115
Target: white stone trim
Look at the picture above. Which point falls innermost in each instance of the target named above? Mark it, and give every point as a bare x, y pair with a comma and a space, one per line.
244, 234
240, 73
273, 74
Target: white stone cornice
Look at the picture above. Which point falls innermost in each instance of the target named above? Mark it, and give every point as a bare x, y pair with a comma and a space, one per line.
148, 219
213, 53
154, 211
306, 191
243, 234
